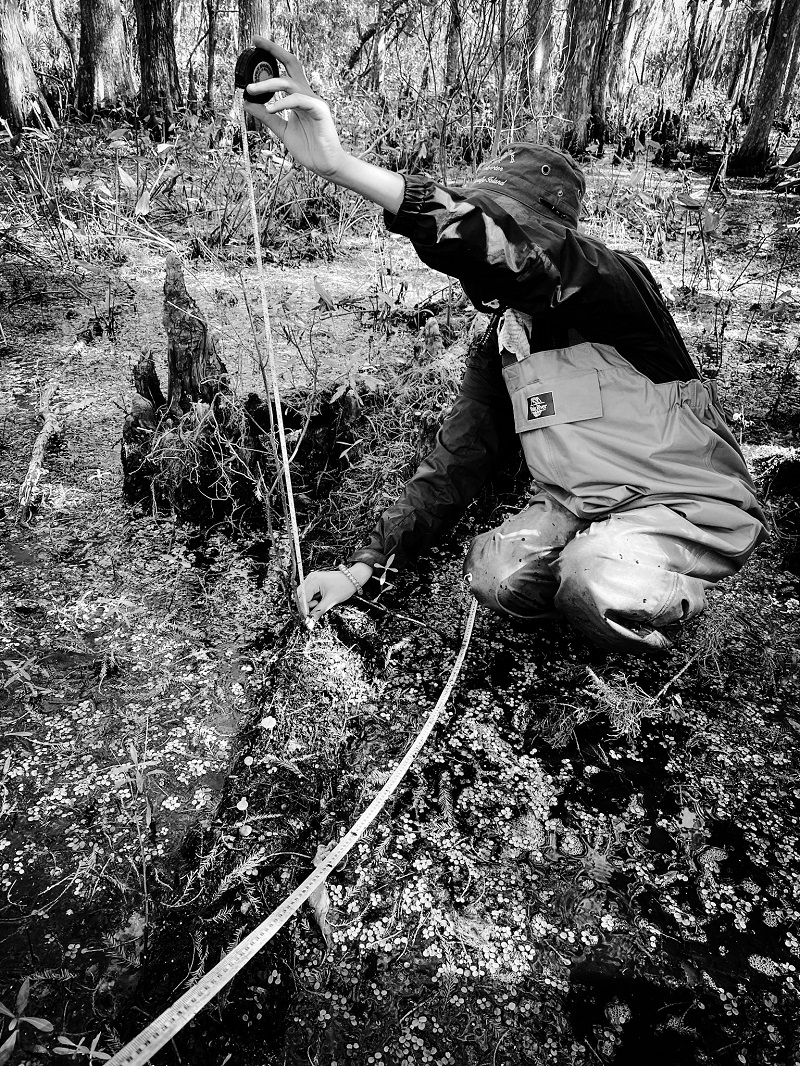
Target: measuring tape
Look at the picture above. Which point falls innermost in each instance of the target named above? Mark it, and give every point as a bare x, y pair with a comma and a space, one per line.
273, 370
167, 1025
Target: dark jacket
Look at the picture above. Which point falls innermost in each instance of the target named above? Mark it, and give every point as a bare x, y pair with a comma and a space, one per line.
574, 287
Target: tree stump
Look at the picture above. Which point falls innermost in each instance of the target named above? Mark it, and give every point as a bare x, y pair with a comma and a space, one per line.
193, 452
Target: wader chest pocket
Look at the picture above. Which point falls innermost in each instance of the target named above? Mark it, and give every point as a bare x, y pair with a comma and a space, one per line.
574, 398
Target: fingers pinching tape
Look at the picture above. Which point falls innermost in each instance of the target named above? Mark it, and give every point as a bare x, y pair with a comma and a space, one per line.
255, 64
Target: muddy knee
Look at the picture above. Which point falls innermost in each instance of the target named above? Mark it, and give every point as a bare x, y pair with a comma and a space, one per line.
520, 587
621, 594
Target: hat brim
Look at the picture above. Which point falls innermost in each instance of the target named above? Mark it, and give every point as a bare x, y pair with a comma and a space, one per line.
520, 210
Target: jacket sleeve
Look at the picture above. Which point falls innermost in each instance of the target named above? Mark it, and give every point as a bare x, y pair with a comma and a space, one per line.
481, 244
476, 437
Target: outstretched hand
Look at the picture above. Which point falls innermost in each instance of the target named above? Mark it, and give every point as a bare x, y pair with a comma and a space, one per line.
324, 589
308, 132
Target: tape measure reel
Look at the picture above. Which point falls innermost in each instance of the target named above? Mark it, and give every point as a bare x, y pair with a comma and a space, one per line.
255, 64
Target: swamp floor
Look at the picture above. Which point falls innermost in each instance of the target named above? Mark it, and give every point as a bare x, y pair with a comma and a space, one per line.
595, 858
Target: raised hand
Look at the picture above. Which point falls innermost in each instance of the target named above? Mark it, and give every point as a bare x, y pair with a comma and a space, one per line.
308, 132
310, 135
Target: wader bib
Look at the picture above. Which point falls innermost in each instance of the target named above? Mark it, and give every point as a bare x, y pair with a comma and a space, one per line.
644, 496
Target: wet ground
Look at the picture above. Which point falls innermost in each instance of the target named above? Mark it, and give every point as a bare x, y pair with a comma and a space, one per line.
545, 888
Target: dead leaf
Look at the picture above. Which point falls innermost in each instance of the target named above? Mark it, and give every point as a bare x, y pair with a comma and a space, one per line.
325, 297
688, 818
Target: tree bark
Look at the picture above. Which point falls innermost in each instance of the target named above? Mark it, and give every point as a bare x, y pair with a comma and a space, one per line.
601, 68
501, 78
753, 154
254, 18
791, 78
452, 68
378, 61
104, 77
211, 52
580, 45
66, 37
160, 92
196, 371
536, 66
18, 85
51, 428
751, 41
632, 18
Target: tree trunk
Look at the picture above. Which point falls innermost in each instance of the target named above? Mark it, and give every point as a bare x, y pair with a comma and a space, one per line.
254, 18
211, 52
753, 154
692, 67
598, 88
18, 85
751, 43
580, 45
620, 46
378, 62
104, 78
452, 69
535, 74
66, 37
160, 89
789, 84
501, 79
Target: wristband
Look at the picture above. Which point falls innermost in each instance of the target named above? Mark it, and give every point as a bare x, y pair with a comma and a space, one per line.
351, 576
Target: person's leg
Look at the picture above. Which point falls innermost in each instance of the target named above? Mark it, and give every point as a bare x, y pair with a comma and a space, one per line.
625, 578
509, 568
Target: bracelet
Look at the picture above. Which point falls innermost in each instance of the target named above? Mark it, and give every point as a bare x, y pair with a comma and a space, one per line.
349, 574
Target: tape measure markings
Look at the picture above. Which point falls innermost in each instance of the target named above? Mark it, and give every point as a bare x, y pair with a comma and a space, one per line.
141, 1049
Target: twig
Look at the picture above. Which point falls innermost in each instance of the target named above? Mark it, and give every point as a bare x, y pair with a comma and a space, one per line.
50, 429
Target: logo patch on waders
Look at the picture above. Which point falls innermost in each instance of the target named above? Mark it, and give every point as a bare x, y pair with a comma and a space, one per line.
541, 406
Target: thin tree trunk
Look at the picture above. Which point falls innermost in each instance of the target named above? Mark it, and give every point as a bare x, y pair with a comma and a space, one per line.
66, 37
18, 85
501, 87
452, 69
753, 154
104, 77
378, 62
160, 88
598, 89
211, 52
535, 74
692, 67
369, 33
621, 37
582, 34
791, 78
254, 18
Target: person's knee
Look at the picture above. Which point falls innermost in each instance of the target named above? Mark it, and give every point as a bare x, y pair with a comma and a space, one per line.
478, 572
620, 590
521, 589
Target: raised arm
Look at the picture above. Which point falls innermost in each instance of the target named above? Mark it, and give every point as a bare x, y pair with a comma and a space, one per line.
310, 137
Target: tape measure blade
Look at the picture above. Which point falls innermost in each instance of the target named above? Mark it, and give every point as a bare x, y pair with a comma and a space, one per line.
168, 1024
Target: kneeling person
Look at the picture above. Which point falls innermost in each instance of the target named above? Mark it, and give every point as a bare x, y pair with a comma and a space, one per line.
642, 495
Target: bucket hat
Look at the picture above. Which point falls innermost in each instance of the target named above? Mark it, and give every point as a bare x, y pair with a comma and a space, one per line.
542, 179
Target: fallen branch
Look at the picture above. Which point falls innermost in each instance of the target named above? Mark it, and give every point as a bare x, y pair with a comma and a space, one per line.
51, 428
